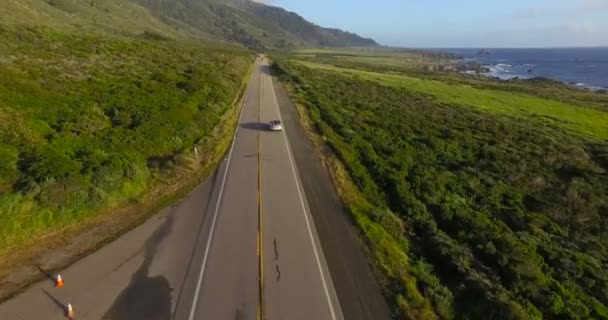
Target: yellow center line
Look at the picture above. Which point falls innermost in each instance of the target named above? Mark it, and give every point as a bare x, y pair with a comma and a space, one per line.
260, 224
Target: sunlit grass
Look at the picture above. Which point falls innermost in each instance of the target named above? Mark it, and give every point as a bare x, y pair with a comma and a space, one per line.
587, 121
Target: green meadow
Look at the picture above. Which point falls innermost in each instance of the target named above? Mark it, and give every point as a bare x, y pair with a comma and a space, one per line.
587, 121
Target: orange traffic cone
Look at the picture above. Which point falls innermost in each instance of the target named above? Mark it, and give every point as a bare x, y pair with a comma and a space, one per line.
59, 281
69, 312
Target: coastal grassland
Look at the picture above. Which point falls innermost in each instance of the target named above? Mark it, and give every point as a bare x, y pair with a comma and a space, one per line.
393, 63
588, 121
371, 53
476, 202
92, 122
404, 58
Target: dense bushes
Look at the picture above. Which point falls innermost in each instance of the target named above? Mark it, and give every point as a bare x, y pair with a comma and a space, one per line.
88, 121
509, 215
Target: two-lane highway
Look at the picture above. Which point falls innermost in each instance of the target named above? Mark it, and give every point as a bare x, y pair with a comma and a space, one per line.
262, 258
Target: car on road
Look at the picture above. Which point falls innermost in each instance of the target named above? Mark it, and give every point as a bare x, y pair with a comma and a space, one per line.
275, 125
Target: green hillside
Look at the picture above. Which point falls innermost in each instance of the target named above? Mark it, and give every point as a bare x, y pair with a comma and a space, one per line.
239, 21
249, 23
119, 17
89, 122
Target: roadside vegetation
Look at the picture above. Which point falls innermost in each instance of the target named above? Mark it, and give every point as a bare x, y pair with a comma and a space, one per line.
92, 122
411, 59
413, 64
480, 199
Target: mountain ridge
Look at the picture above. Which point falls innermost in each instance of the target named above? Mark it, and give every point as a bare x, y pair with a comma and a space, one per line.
250, 23
245, 22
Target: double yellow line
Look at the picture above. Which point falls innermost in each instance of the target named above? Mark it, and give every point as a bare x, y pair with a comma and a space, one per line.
260, 223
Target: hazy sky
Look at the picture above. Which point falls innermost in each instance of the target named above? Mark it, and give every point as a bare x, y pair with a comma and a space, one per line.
463, 23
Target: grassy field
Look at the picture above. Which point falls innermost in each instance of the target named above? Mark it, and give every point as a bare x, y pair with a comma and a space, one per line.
479, 199
391, 63
588, 121
407, 59
89, 122
370, 53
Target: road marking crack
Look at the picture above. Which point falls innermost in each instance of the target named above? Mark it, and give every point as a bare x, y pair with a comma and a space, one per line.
278, 273
276, 250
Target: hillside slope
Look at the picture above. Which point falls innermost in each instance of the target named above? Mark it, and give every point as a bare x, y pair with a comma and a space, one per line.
297, 26
121, 17
239, 21
249, 23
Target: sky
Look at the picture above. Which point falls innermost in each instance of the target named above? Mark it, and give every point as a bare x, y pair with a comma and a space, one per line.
463, 23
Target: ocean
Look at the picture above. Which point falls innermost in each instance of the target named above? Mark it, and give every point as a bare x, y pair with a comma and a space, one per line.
582, 67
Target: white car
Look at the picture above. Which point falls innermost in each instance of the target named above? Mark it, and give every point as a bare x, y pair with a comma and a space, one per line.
275, 125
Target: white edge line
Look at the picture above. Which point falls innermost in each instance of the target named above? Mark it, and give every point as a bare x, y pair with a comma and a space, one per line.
293, 170
217, 208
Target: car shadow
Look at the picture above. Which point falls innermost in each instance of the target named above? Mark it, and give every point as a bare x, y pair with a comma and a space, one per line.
256, 126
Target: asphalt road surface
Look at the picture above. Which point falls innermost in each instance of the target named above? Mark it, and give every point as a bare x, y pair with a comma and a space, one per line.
263, 259
242, 245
